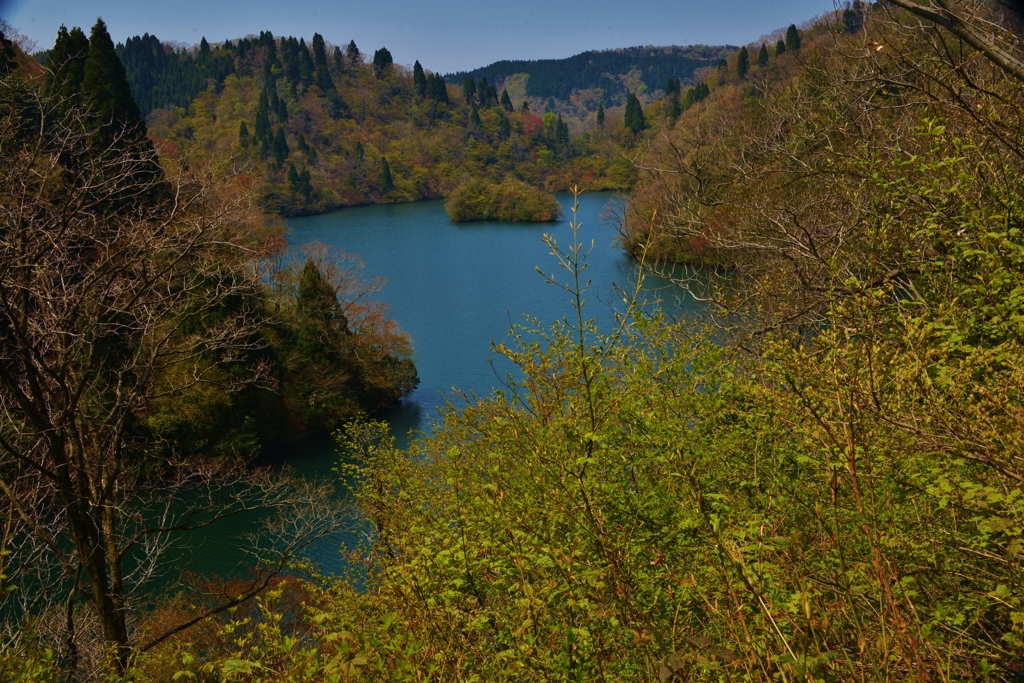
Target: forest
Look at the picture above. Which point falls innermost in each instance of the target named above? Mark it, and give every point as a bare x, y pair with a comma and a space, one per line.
317, 127
612, 72
820, 479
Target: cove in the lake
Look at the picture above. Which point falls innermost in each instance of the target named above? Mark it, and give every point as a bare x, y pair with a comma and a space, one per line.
455, 289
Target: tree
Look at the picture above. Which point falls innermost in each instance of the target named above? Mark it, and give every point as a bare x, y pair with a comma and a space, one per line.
262, 126
386, 182
469, 90
419, 79
561, 132
742, 62
66, 66
8, 56
780, 47
148, 303
280, 147
506, 101
762, 56
338, 59
323, 71
352, 52
792, 38
243, 135
437, 90
600, 114
474, 117
634, 118
382, 61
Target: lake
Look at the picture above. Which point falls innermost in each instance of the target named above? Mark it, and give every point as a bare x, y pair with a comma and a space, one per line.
455, 289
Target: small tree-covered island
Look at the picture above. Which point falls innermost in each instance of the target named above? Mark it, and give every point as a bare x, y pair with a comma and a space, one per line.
815, 475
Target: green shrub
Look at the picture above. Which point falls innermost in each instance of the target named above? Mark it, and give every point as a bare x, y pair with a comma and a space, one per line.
479, 200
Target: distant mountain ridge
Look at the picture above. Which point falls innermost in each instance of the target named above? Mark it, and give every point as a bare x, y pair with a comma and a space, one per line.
559, 78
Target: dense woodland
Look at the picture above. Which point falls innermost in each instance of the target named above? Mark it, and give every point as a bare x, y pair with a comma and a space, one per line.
317, 127
611, 73
818, 481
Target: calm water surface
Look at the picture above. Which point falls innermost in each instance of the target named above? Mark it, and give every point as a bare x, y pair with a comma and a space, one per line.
455, 289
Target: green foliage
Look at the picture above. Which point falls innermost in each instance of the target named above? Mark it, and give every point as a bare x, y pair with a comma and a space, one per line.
419, 79
479, 200
742, 62
600, 114
599, 69
780, 47
382, 61
634, 118
762, 56
792, 38
429, 142
386, 182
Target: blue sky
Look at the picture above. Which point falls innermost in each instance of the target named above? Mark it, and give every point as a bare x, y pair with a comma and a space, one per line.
448, 35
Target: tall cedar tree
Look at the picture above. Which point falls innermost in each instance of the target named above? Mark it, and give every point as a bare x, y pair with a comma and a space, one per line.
118, 125
8, 56
67, 66
600, 114
762, 56
634, 120
323, 71
338, 67
243, 135
352, 52
386, 182
280, 147
506, 101
419, 79
381, 61
468, 90
780, 47
792, 38
742, 62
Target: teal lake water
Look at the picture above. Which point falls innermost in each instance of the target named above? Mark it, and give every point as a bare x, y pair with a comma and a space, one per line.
455, 289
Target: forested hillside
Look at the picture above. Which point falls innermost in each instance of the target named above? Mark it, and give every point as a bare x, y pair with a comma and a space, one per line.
822, 479
612, 72
317, 127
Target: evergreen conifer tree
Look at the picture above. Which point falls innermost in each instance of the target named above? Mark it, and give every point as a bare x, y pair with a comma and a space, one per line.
243, 135
504, 127
323, 70
780, 47
468, 90
8, 57
204, 49
419, 79
108, 96
561, 132
742, 62
792, 38
506, 101
293, 177
280, 147
352, 52
262, 116
381, 61
762, 56
282, 111
600, 114
386, 182
634, 120
525, 107
550, 106
474, 117
66, 64
338, 67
